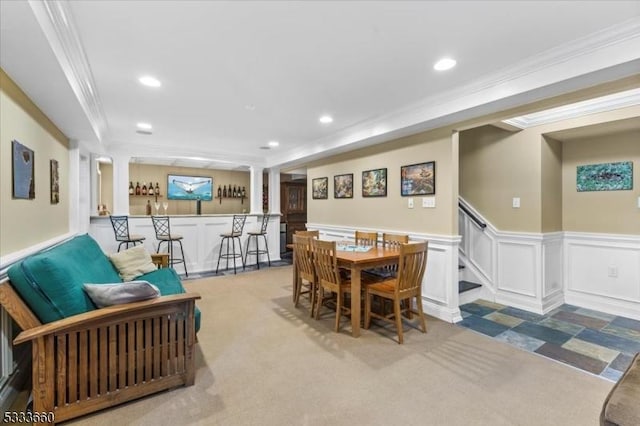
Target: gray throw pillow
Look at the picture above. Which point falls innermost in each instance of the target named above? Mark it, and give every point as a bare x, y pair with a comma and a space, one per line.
114, 294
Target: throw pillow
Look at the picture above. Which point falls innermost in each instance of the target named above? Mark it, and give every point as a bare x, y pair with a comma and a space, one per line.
114, 294
132, 262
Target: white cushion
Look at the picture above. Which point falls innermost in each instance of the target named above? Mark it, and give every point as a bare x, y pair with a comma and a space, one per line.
114, 294
132, 263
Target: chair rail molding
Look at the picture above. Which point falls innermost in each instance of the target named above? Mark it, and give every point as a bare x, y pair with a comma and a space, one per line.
440, 283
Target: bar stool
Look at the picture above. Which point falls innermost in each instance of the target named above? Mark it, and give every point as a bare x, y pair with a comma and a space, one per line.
120, 226
164, 235
236, 232
262, 232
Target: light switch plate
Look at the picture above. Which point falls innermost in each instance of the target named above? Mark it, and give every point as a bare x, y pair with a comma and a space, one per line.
516, 202
428, 202
410, 203
639, 202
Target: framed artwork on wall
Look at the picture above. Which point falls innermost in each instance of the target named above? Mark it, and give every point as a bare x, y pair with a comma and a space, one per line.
319, 188
418, 179
343, 186
605, 177
374, 183
22, 172
55, 181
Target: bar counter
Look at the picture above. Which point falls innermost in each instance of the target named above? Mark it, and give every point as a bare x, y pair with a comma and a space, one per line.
201, 237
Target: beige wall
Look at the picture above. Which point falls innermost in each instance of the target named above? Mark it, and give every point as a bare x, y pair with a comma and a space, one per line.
601, 211
391, 212
496, 166
551, 184
24, 223
145, 173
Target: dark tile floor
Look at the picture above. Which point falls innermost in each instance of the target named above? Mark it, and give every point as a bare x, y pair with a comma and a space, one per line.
592, 341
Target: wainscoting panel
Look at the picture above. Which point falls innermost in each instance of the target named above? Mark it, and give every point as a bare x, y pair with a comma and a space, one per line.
552, 265
518, 268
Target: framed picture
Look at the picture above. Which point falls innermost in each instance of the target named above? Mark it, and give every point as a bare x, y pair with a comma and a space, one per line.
343, 186
320, 188
22, 169
55, 181
418, 179
374, 183
605, 177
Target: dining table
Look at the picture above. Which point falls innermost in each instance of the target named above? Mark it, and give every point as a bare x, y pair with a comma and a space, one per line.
356, 259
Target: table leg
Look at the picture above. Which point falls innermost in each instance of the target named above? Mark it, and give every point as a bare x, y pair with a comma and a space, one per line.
295, 277
355, 301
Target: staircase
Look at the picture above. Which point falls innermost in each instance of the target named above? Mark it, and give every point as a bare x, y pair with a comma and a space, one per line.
468, 291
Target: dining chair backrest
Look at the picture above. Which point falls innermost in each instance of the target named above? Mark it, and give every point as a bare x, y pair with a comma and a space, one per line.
394, 240
312, 234
369, 239
120, 227
325, 261
161, 226
238, 224
411, 266
304, 257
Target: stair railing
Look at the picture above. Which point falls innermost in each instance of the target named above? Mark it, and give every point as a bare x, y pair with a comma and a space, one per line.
472, 216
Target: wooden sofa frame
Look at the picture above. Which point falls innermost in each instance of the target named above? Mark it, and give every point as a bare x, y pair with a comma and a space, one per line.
108, 356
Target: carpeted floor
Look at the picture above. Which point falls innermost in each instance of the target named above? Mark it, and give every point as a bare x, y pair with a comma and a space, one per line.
592, 341
263, 362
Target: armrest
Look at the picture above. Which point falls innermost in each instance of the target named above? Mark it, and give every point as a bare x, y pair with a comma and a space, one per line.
103, 314
161, 260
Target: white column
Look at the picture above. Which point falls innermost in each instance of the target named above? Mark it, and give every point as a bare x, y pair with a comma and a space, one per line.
274, 190
120, 184
256, 189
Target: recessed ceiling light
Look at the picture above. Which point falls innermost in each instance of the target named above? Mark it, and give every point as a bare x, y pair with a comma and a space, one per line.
250, 107
326, 119
149, 81
144, 126
274, 143
444, 64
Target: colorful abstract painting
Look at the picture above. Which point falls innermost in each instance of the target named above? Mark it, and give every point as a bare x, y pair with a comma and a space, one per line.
22, 163
605, 177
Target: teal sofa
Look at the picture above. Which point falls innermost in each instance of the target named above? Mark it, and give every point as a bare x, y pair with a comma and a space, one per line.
51, 282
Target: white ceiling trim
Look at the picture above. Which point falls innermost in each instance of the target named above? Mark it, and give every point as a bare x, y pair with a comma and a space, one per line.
56, 21
514, 86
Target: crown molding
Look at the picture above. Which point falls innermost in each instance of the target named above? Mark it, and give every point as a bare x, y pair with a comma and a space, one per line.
56, 21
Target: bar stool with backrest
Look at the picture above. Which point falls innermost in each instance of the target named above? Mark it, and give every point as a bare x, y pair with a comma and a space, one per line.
255, 234
328, 276
306, 272
163, 234
120, 226
236, 232
408, 284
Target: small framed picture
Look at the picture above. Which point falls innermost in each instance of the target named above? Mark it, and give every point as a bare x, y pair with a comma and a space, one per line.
343, 186
23, 172
55, 182
418, 179
319, 188
374, 183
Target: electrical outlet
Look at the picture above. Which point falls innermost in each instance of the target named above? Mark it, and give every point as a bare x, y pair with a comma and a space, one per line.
410, 203
612, 271
428, 202
516, 202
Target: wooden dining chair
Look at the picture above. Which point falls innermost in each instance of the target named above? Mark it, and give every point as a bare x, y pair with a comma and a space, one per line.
407, 284
306, 270
312, 234
363, 238
328, 276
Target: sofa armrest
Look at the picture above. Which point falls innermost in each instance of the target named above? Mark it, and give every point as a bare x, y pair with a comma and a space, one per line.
161, 260
106, 316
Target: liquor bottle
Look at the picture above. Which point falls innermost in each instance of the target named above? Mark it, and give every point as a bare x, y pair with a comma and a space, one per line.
144, 188
150, 188
137, 188
244, 192
219, 191
224, 191
148, 208
131, 188
234, 191
157, 189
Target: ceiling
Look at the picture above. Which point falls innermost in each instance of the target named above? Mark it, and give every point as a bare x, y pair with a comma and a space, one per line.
236, 75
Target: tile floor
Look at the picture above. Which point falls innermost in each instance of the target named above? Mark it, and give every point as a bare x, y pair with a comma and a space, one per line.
592, 341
